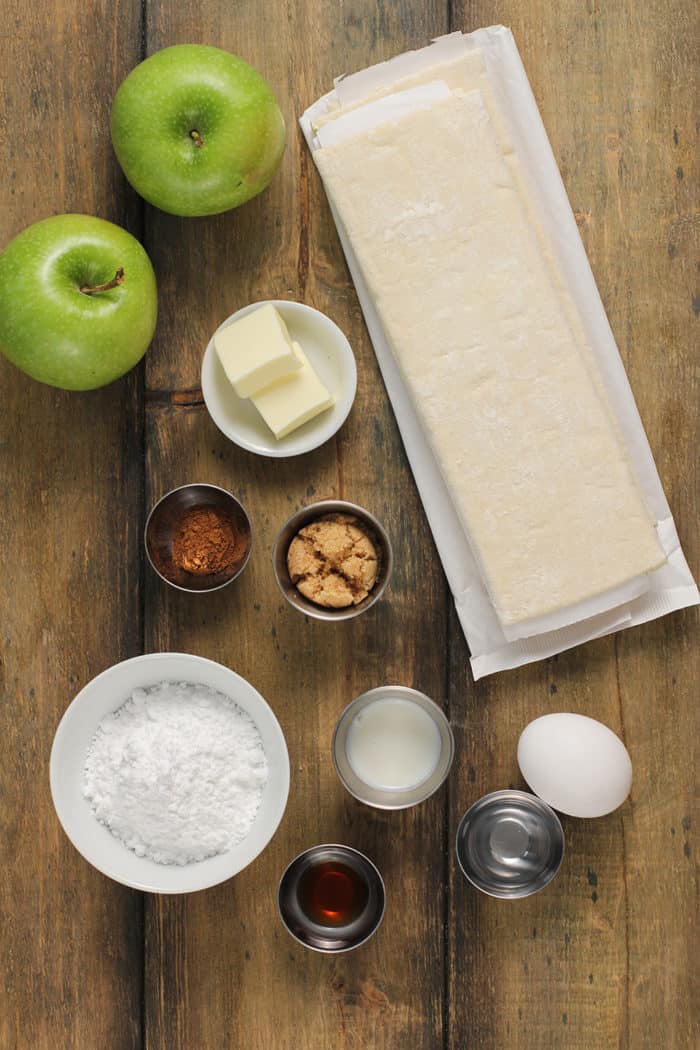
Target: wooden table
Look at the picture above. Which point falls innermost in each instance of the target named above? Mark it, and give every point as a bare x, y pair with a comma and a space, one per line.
604, 957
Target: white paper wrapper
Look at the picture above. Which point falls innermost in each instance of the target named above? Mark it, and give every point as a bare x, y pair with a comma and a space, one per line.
670, 587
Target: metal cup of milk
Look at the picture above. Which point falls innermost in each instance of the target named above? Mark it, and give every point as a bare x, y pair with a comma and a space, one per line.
392, 747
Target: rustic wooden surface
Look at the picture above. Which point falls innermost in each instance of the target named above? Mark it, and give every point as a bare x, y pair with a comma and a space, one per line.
605, 957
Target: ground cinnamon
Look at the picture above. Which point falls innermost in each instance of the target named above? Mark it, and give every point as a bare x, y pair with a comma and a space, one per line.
205, 542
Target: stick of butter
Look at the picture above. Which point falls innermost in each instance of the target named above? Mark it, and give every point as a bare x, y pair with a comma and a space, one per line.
293, 401
255, 351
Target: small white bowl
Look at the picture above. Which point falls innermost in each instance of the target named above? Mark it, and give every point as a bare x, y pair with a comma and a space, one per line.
98, 845
329, 354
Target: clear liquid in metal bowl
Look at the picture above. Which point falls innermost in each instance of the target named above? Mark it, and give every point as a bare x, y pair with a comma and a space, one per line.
510, 844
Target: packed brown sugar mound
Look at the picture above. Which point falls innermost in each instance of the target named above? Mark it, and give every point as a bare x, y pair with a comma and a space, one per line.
333, 561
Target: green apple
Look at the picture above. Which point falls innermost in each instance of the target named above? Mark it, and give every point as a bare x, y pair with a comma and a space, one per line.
78, 301
197, 130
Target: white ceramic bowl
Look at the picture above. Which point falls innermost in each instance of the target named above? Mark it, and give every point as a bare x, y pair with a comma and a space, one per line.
106, 693
331, 357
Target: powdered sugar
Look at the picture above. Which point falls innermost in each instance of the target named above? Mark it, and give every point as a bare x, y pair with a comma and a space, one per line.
177, 773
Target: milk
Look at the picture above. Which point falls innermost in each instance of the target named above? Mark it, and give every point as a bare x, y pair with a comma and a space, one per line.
393, 744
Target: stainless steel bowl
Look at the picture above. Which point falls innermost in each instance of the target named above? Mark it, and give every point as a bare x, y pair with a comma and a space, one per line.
304, 517
163, 521
385, 798
322, 938
510, 844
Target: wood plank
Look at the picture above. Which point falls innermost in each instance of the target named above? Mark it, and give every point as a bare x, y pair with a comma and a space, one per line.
221, 971
603, 957
70, 487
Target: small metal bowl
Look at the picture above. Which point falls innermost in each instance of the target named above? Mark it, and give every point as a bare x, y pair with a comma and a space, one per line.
163, 521
304, 517
387, 798
331, 939
510, 844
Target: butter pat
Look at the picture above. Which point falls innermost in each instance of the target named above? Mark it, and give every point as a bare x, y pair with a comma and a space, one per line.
255, 351
293, 401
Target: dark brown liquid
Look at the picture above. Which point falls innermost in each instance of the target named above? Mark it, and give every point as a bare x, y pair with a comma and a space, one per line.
332, 894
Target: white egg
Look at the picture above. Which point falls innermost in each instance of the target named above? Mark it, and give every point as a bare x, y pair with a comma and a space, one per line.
577, 765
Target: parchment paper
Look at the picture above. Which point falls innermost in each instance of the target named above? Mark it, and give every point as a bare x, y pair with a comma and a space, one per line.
668, 588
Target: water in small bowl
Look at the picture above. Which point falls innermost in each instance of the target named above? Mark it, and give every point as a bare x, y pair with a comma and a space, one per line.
510, 844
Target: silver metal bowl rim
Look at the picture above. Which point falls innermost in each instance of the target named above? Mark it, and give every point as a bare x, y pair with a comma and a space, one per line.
348, 849
395, 690
510, 793
309, 513
198, 485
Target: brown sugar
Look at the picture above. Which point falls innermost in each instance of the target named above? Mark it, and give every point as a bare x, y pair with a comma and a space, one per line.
334, 561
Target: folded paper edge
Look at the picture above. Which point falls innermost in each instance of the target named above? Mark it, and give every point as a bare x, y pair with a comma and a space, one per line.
649, 605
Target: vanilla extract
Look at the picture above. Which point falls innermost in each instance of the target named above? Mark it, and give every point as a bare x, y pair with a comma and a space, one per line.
331, 898
332, 893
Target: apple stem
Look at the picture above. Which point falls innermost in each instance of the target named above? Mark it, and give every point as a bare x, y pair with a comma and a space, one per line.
90, 289
198, 140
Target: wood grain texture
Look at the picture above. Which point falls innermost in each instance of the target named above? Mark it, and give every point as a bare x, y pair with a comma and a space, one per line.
243, 980
604, 958
601, 959
70, 504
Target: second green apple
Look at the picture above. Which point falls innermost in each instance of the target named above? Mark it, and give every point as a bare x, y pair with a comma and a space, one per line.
197, 130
